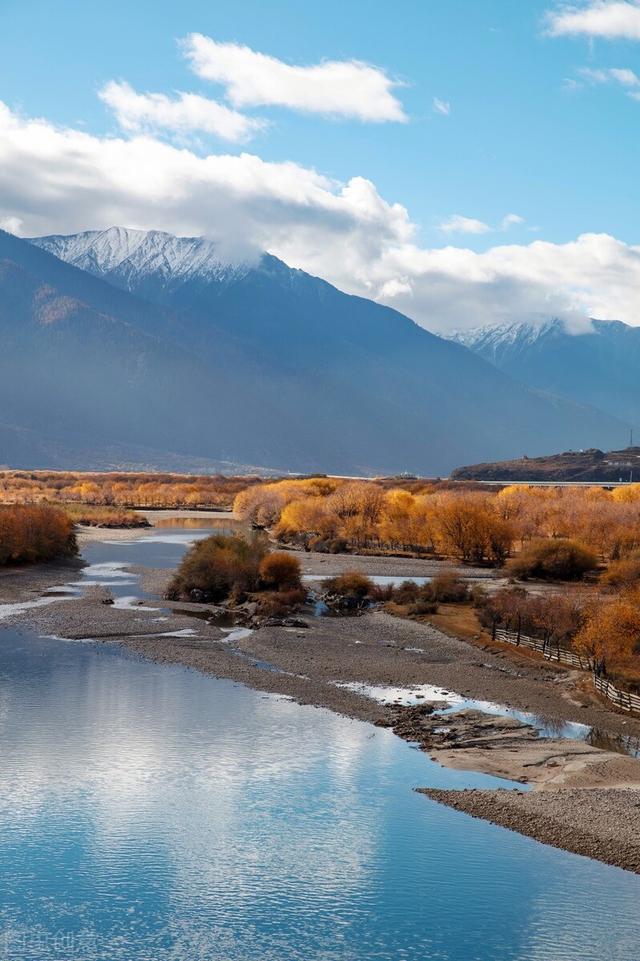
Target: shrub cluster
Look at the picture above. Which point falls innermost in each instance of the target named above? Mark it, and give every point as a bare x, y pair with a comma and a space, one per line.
122, 489
553, 560
217, 567
221, 567
623, 573
280, 571
29, 534
444, 588
350, 584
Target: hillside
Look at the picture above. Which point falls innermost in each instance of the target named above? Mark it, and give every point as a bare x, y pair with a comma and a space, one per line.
598, 366
148, 340
585, 465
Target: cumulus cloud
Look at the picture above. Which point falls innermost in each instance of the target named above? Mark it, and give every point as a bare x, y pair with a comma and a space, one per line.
60, 180
187, 113
457, 224
441, 106
344, 88
593, 276
610, 19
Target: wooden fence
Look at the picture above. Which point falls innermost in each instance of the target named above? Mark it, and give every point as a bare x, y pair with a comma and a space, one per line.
548, 650
621, 699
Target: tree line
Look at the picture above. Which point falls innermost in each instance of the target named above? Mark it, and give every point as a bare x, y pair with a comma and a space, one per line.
471, 525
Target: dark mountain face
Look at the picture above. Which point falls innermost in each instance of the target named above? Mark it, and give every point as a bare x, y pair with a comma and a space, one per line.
600, 367
137, 338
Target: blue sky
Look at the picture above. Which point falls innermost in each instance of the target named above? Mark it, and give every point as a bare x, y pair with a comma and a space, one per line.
536, 127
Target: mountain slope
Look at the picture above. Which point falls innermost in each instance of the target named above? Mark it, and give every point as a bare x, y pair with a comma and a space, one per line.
163, 345
599, 367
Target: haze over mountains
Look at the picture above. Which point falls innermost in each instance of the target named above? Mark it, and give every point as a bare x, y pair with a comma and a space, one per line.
599, 367
125, 347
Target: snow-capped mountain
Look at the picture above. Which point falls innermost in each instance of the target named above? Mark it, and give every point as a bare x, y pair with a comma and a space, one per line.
125, 255
494, 342
599, 365
129, 339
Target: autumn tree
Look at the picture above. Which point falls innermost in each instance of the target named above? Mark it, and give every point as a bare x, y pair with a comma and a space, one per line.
610, 635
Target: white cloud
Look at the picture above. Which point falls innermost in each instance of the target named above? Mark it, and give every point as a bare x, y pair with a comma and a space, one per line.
457, 224
63, 180
441, 106
12, 225
511, 220
611, 19
622, 76
188, 113
345, 88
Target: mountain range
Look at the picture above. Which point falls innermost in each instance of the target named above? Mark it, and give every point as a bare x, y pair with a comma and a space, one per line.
598, 366
127, 348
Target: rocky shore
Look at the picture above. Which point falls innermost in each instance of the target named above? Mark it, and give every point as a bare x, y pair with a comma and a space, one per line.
598, 823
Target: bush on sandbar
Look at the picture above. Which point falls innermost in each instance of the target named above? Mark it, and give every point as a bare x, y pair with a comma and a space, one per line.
553, 560
218, 567
280, 571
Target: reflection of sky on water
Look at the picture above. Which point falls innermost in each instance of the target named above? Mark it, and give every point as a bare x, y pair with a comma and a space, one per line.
152, 813
181, 817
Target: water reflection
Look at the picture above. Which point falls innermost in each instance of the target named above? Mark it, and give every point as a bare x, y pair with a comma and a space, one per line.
227, 523
158, 814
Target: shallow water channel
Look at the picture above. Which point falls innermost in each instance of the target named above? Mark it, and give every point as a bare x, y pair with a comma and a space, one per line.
149, 812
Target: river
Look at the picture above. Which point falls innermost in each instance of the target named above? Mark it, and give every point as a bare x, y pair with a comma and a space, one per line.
148, 813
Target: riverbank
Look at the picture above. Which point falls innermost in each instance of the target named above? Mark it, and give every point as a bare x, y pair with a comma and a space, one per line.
598, 823
312, 665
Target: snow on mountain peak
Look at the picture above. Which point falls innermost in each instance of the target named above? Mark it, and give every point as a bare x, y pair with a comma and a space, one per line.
130, 254
500, 336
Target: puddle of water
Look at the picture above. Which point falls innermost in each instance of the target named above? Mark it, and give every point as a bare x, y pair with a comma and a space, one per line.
111, 569
234, 634
130, 602
184, 537
452, 702
382, 580
7, 610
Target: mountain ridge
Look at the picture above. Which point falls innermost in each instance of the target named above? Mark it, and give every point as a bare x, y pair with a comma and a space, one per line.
258, 364
597, 366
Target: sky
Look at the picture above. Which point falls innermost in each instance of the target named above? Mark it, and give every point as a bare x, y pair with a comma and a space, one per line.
469, 162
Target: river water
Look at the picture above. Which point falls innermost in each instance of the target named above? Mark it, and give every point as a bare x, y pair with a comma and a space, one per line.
148, 812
